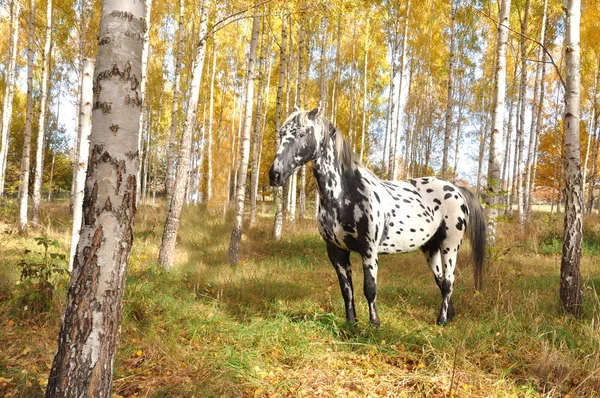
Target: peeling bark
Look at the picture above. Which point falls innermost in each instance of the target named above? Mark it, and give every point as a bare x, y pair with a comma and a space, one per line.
570, 279
83, 365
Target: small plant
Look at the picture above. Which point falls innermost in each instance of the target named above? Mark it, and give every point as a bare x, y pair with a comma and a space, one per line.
41, 271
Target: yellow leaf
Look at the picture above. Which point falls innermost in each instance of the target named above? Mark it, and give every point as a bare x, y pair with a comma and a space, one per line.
421, 365
139, 353
25, 351
11, 322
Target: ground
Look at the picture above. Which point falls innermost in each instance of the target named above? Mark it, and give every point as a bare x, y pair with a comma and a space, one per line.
274, 325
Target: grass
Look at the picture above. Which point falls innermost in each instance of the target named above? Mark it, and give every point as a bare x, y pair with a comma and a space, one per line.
274, 324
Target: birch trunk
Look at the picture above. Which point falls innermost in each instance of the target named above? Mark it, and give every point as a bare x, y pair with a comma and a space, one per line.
25, 159
521, 129
399, 113
39, 156
15, 9
143, 79
209, 139
495, 159
169, 238
175, 106
77, 135
596, 146
450, 99
533, 131
256, 142
83, 365
278, 191
85, 120
365, 99
570, 280
236, 234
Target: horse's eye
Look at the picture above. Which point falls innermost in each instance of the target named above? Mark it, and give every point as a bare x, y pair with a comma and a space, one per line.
301, 133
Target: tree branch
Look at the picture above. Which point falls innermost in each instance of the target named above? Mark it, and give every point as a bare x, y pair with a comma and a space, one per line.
530, 39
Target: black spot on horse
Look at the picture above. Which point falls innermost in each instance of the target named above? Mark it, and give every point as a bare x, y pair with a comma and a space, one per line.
413, 230
461, 222
377, 197
448, 188
464, 209
447, 196
413, 182
429, 190
433, 244
439, 202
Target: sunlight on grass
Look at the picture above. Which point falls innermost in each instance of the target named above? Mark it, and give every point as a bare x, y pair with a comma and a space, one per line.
274, 325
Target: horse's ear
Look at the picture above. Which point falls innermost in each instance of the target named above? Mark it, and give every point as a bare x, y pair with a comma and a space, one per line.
314, 113
296, 109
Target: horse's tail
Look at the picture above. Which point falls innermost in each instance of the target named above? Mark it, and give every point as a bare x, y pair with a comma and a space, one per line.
477, 234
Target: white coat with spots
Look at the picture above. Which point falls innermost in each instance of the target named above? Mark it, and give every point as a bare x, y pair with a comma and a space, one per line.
361, 213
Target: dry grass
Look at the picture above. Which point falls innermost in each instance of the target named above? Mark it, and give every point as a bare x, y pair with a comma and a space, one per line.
274, 324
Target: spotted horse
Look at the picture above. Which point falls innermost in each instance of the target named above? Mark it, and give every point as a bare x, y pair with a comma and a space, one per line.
361, 213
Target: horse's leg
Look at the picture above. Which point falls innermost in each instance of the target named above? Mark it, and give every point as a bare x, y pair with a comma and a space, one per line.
449, 260
370, 265
435, 264
340, 259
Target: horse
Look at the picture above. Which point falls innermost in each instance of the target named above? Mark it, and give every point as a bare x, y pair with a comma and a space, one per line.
360, 212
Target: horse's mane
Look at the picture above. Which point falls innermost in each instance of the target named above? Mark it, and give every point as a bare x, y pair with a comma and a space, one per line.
345, 156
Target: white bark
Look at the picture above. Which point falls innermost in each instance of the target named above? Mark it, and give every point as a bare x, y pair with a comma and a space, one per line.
236, 234
143, 122
169, 238
570, 279
85, 120
495, 158
450, 95
26, 157
521, 129
39, 155
365, 99
396, 166
175, 104
9, 90
278, 191
209, 140
83, 365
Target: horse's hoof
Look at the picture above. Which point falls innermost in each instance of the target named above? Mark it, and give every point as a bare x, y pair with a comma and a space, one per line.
442, 321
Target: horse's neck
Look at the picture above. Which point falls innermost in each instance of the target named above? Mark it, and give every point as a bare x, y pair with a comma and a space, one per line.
328, 172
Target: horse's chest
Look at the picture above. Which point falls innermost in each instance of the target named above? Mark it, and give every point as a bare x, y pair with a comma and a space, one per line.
337, 227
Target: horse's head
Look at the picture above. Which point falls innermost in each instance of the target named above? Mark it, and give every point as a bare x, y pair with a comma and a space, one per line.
299, 139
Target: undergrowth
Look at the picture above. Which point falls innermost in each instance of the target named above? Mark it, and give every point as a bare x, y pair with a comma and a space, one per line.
274, 324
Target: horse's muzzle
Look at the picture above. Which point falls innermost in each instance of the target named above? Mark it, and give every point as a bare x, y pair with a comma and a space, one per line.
275, 178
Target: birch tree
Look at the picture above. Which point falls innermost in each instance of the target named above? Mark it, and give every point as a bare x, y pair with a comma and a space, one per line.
570, 279
449, 100
278, 191
15, 10
169, 238
521, 129
143, 111
494, 164
236, 234
39, 155
26, 155
399, 113
83, 365
175, 105
85, 121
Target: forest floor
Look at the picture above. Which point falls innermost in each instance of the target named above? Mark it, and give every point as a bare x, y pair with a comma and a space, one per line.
274, 325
